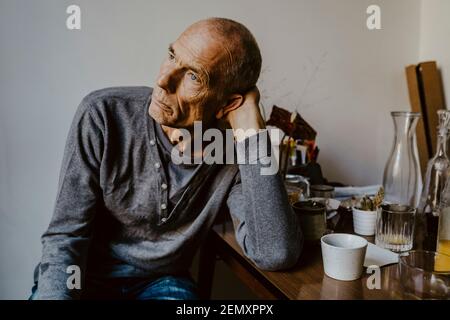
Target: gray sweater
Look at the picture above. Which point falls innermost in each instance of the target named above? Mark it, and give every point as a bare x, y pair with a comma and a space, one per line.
111, 215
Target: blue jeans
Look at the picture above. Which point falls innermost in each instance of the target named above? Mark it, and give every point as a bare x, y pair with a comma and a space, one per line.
164, 288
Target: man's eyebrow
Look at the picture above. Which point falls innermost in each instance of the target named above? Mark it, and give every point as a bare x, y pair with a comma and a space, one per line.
171, 48
194, 68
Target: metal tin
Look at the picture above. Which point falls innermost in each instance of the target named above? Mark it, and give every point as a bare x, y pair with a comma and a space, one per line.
322, 191
313, 219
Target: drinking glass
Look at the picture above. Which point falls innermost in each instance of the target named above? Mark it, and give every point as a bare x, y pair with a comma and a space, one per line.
299, 181
395, 227
294, 193
419, 275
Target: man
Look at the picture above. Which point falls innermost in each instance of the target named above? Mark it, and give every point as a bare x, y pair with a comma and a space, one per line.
128, 217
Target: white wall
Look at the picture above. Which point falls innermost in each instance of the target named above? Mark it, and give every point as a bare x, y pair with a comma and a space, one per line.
318, 56
435, 38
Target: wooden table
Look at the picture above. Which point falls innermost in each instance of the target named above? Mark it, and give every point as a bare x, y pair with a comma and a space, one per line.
306, 281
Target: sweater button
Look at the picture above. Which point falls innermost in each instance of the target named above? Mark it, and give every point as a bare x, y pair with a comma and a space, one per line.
163, 220
152, 142
157, 165
164, 186
163, 206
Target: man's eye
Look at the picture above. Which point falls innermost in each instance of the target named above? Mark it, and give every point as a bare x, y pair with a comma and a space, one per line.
171, 56
193, 76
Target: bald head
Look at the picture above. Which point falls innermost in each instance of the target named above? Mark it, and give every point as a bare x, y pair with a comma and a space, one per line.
241, 66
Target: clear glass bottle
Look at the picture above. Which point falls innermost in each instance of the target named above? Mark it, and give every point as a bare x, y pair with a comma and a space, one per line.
443, 238
402, 177
435, 179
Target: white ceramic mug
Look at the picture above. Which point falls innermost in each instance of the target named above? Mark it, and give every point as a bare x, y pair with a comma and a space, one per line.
343, 255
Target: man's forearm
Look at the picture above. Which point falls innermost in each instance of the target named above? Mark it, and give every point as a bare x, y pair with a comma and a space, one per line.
62, 267
273, 236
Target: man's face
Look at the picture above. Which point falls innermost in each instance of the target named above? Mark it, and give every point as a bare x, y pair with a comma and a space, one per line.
187, 88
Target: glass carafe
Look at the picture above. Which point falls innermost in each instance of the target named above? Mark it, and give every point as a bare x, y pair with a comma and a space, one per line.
402, 177
435, 179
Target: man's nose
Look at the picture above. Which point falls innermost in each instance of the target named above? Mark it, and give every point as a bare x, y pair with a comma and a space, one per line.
167, 79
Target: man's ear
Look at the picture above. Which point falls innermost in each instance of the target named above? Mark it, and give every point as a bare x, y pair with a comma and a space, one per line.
234, 101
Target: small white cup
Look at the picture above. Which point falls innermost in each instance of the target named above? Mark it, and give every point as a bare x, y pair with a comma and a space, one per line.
364, 222
343, 255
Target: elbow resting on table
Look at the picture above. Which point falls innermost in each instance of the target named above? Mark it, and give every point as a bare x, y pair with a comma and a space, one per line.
280, 259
